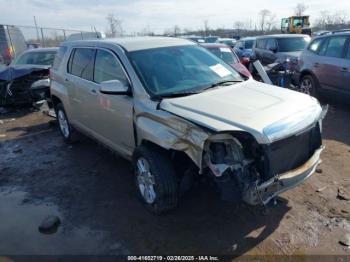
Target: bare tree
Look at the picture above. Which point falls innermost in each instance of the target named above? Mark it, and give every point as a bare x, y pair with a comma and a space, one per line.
114, 26
341, 18
332, 21
177, 30
270, 22
238, 25
206, 27
263, 14
300, 9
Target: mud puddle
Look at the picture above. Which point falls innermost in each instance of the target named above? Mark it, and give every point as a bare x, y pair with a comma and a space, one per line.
20, 217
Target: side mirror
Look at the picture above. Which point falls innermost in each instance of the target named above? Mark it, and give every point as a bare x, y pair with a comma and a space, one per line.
114, 87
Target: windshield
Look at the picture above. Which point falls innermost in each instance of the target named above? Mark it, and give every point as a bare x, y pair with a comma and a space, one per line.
180, 69
225, 54
249, 44
292, 44
36, 58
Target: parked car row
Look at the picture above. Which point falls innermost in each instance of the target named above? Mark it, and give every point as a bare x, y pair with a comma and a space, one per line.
320, 66
160, 101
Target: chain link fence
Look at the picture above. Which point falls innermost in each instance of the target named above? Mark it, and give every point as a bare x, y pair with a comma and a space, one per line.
16, 39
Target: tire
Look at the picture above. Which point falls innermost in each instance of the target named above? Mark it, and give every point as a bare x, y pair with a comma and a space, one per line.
308, 85
157, 184
67, 131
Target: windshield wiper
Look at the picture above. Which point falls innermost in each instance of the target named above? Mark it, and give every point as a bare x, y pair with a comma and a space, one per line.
221, 83
177, 94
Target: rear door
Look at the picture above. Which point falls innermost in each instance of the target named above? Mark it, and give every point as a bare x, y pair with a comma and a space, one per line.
345, 86
260, 49
331, 66
82, 89
270, 53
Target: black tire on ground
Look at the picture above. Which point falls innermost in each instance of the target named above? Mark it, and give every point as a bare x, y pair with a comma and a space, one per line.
68, 133
308, 85
164, 176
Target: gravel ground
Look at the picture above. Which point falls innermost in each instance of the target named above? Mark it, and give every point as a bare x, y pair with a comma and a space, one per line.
92, 193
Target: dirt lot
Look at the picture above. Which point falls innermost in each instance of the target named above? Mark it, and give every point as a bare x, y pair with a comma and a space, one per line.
92, 192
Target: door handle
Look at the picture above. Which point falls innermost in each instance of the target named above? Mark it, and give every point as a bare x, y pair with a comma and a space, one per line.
93, 91
316, 64
66, 79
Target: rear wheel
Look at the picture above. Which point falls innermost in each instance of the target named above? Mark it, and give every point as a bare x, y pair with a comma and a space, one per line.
156, 179
308, 85
67, 131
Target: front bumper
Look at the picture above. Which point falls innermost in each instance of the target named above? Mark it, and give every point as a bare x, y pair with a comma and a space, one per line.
264, 192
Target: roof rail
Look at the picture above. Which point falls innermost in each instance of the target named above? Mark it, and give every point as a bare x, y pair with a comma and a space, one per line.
341, 30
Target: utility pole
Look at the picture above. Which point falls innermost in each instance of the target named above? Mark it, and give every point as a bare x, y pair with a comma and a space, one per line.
37, 30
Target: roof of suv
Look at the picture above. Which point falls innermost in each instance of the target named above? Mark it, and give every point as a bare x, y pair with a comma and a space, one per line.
138, 43
280, 36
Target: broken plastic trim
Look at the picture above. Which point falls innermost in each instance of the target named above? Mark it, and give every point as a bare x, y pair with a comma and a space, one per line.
266, 191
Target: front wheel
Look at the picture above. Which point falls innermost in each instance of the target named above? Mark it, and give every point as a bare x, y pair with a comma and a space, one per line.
156, 179
308, 85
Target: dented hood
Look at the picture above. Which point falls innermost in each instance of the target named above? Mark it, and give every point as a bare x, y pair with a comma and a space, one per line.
267, 112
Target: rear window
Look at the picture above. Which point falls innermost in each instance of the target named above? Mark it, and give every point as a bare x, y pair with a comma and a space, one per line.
347, 56
81, 63
292, 44
36, 58
59, 56
225, 54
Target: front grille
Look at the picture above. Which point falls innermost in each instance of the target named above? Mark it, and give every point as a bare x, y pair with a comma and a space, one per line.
292, 152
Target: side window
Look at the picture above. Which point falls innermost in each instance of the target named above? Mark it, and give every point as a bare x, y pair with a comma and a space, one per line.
271, 44
59, 56
261, 43
335, 46
315, 45
323, 47
107, 67
81, 63
347, 55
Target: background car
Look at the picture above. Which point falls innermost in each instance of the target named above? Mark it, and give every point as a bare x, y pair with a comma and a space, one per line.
324, 65
244, 49
278, 48
228, 55
12, 43
26, 80
227, 41
197, 39
211, 39
37, 56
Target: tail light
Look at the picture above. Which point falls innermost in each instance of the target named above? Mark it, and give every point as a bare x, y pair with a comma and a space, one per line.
245, 60
9, 53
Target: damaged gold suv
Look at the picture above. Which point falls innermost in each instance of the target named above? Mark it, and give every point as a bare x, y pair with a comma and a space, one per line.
175, 109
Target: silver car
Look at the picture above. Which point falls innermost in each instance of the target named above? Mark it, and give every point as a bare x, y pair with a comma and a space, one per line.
178, 112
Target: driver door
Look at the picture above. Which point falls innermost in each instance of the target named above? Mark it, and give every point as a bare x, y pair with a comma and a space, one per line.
114, 113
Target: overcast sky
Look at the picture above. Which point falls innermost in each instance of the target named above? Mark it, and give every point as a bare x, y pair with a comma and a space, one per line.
157, 14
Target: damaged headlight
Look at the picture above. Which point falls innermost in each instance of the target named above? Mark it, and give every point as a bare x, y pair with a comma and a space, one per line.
223, 153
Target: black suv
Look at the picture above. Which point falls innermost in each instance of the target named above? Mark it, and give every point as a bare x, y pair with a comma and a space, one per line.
278, 48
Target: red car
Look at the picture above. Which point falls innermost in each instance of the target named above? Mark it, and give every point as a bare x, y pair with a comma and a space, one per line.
229, 56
